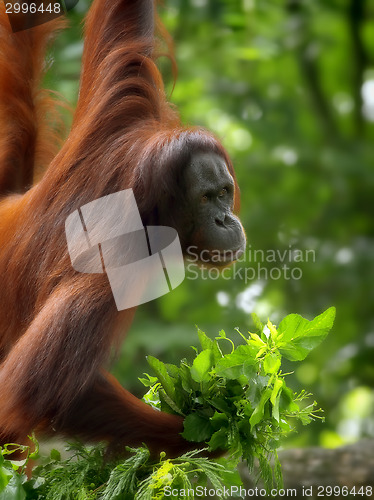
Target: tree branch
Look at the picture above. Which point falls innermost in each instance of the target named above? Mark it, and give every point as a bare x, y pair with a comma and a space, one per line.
350, 466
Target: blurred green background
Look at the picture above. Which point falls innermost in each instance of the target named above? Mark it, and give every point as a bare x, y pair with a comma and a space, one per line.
289, 88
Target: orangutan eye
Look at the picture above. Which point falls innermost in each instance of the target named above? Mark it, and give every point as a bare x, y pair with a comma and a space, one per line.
204, 198
222, 193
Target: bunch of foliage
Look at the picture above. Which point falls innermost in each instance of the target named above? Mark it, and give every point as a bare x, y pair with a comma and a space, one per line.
237, 402
240, 402
88, 474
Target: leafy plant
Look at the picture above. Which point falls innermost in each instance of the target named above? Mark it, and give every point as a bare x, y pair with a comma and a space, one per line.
87, 475
237, 402
240, 402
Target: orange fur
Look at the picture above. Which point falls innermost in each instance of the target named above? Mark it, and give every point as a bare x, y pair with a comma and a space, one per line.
27, 141
58, 326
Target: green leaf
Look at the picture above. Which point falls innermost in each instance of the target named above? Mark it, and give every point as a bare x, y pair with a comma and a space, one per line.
166, 381
298, 336
250, 368
218, 440
258, 414
14, 489
5, 476
220, 403
231, 366
219, 421
172, 370
278, 384
188, 384
55, 455
197, 428
207, 343
256, 388
152, 397
202, 365
287, 399
275, 397
272, 329
275, 411
272, 362
149, 381
171, 406
256, 340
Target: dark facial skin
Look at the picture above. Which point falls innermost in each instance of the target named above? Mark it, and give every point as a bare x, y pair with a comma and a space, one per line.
216, 230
